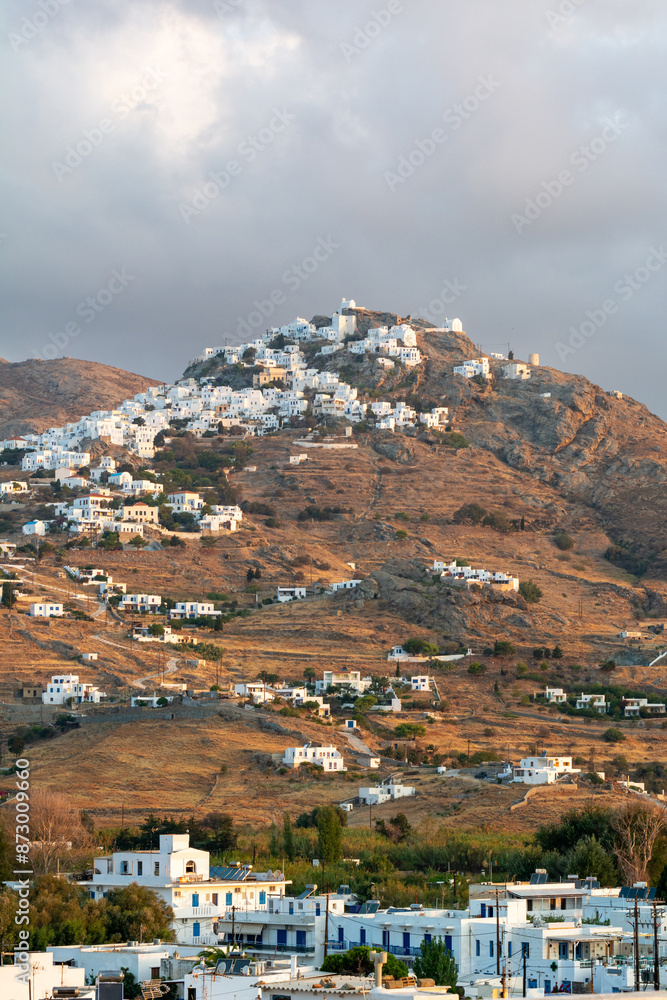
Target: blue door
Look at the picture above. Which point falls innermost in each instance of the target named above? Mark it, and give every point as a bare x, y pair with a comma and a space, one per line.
196, 929
483, 910
448, 943
547, 986
282, 937
195, 899
318, 909
228, 899
406, 941
427, 937
385, 940
341, 935
362, 936
262, 898
301, 939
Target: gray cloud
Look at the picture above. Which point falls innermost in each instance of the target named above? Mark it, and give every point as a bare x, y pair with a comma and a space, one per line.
279, 123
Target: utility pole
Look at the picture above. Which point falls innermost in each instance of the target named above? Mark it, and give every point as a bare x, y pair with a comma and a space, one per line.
497, 936
523, 961
326, 927
233, 926
636, 943
656, 942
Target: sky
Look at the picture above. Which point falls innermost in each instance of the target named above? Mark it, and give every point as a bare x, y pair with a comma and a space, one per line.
183, 174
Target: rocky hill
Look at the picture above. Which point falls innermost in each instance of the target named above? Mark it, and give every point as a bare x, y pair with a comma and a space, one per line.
35, 395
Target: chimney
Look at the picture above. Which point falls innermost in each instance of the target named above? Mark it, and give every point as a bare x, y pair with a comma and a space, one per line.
378, 958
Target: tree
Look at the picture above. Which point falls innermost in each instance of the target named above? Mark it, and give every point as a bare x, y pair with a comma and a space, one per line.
407, 730
309, 674
357, 962
436, 962
288, 837
156, 629
138, 541
55, 823
637, 827
613, 735
16, 745
477, 668
469, 512
135, 913
503, 647
588, 857
563, 541
222, 826
530, 592
557, 653
329, 836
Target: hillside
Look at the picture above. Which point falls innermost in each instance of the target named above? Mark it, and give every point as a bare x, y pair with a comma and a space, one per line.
36, 395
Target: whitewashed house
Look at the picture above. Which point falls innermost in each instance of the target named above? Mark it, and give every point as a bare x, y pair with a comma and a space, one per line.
555, 695
328, 758
596, 702
543, 770
46, 610
140, 602
375, 796
63, 687
290, 594
34, 528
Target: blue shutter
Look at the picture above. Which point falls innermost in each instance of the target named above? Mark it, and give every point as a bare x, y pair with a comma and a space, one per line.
490, 949
477, 948
362, 936
195, 899
509, 949
228, 899
448, 943
282, 937
385, 940
196, 927
341, 935
483, 909
262, 898
301, 939
427, 937
406, 940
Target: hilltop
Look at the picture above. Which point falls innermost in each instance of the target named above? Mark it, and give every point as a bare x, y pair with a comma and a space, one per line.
36, 395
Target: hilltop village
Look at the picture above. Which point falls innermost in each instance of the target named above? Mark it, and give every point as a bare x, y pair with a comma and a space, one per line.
345, 701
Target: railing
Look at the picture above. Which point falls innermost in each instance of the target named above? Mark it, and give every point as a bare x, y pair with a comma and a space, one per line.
289, 949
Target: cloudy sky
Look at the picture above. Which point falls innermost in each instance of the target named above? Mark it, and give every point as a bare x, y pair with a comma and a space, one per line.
177, 173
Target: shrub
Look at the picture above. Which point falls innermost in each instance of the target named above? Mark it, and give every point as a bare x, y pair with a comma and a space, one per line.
613, 735
477, 668
530, 592
469, 512
401, 534
563, 541
503, 647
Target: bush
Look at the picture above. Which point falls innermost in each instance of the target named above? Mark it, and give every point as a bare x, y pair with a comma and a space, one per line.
401, 534
469, 512
477, 668
503, 647
613, 735
563, 541
530, 592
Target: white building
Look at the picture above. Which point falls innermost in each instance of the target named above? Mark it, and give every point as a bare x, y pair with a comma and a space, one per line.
633, 707
517, 371
194, 609
34, 528
596, 702
328, 758
13, 486
46, 610
476, 366
290, 594
39, 977
63, 687
344, 585
555, 695
141, 602
199, 896
376, 795
350, 680
543, 770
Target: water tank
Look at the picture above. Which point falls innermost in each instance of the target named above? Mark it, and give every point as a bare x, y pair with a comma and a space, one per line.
533, 359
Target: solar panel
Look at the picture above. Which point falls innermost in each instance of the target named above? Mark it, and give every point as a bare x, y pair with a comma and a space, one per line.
229, 874
624, 893
542, 878
651, 893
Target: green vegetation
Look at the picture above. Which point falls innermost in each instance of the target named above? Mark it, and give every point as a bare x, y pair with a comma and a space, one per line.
357, 962
613, 735
530, 592
563, 541
436, 962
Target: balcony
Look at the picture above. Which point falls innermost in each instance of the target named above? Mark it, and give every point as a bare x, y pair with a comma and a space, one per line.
194, 912
282, 949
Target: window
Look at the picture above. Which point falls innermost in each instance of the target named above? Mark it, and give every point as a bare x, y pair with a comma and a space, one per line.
318, 909
509, 949
552, 904
214, 898
291, 909
140, 868
362, 936
490, 949
483, 910
477, 947
262, 898
190, 868
385, 940
155, 972
228, 899
196, 929
195, 899
563, 949
427, 937
192, 993
529, 905
156, 868
282, 937
448, 942
124, 868
301, 939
